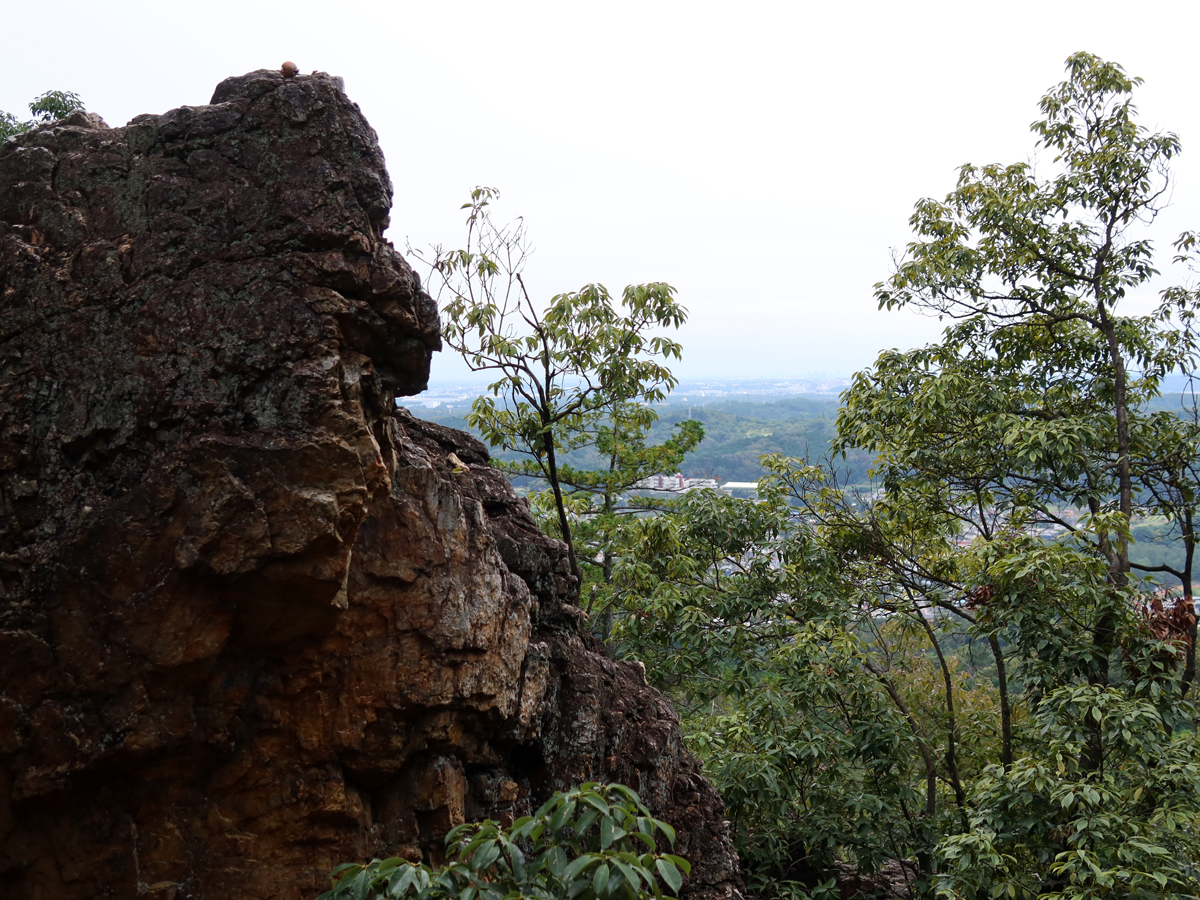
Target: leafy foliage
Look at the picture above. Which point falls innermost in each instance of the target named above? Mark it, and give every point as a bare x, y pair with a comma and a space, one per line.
599, 499
48, 107
596, 842
565, 369
806, 638
797, 662
1037, 398
1051, 827
812, 638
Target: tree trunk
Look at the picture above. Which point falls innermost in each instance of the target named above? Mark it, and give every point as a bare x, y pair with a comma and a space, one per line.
606, 621
563, 523
1189, 544
1104, 635
960, 796
1006, 748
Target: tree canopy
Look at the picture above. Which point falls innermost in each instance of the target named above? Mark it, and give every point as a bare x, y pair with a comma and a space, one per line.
959, 676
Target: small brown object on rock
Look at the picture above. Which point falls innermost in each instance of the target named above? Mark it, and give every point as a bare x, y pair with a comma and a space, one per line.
290, 69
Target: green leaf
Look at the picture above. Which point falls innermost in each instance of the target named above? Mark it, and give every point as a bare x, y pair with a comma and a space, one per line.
401, 881
360, 886
517, 860
578, 865
600, 879
670, 874
644, 838
556, 861
629, 874
485, 856
679, 862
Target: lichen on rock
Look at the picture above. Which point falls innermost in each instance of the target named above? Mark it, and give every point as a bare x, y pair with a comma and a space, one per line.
252, 621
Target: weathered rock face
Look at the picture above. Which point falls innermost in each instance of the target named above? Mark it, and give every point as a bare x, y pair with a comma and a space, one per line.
252, 622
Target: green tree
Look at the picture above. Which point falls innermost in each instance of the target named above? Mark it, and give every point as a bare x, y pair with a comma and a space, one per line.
814, 638
1033, 404
564, 369
48, 107
798, 637
808, 640
600, 498
1034, 271
596, 842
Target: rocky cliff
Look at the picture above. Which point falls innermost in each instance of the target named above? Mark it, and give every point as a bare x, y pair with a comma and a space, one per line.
253, 623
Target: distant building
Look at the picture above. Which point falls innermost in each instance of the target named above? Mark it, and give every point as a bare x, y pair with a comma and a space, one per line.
662, 482
730, 486
676, 484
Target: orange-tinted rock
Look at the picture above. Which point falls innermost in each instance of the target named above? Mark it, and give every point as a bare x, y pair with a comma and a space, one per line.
252, 623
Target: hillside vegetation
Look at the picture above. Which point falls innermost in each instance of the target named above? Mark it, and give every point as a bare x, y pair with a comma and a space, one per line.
963, 685
737, 434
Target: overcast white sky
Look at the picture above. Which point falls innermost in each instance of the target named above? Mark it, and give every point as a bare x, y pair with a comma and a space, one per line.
761, 157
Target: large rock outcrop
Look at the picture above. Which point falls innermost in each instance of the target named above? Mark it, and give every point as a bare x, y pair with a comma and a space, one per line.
253, 622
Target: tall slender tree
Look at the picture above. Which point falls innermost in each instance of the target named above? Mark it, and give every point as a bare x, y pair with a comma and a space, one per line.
1032, 399
564, 368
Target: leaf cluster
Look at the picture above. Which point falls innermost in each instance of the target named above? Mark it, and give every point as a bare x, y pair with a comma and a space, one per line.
48, 107
1050, 827
596, 842
580, 356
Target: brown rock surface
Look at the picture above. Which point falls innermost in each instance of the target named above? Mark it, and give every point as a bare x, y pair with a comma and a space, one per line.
252, 622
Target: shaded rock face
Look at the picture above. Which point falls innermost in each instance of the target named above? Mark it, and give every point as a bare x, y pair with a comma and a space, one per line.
252, 622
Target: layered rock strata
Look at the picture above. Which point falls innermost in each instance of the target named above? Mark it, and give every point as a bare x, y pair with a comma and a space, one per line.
252, 621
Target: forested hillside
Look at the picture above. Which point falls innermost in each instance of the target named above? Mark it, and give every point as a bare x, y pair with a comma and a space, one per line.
737, 434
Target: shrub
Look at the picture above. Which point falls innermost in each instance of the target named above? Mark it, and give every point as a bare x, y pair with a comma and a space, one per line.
597, 842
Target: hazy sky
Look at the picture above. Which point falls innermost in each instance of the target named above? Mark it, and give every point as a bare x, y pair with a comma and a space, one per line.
761, 157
